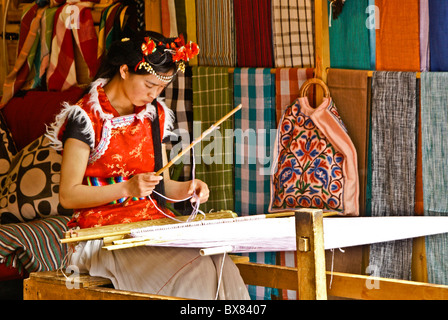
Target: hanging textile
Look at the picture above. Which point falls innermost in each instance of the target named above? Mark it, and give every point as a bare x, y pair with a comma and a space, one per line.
434, 113
293, 33
216, 36
153, 15
253, 29
68, 38
315, 162
288, 82
169, 22
424, 35
349, 91
179, 98
106, 28
22, 75
254, 88
349, 37
397, 39
393, 163
438, 35
186, 23
213, 157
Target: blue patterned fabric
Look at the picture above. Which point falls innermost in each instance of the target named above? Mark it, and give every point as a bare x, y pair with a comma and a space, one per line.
255, 124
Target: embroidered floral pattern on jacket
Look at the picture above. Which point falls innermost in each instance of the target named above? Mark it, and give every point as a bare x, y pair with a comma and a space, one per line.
122, 146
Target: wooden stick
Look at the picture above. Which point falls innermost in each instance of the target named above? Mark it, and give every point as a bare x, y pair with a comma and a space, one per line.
196, 141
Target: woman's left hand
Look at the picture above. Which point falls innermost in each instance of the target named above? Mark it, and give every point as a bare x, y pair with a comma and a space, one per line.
201, 189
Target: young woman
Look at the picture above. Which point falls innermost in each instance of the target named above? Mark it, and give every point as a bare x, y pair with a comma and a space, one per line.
112, 145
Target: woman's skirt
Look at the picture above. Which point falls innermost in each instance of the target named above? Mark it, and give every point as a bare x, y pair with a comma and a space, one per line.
167, 271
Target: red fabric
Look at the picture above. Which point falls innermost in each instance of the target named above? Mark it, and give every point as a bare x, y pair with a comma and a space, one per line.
254, 33
27, 116
9, 273
129, 152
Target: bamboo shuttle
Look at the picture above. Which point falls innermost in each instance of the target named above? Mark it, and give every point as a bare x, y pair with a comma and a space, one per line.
196, 141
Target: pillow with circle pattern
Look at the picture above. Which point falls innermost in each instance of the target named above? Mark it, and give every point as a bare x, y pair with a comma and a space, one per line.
30, 188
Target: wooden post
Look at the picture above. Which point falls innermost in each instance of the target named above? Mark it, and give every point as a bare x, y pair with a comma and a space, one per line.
321, 44
310, 255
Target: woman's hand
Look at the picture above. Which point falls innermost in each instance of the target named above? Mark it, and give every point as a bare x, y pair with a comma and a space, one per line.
143, 184
201, 189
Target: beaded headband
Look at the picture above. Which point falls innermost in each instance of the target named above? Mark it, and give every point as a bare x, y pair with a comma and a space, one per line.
181, 52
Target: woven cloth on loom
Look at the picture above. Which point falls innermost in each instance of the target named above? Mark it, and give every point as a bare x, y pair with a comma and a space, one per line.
34, 246
253, 29
179, 98
438, 35
255, 125
434, 113
216, 36
393, 165
288, 82
211, 101
398, 38
349, 37
293, 33
349, 90
79, 35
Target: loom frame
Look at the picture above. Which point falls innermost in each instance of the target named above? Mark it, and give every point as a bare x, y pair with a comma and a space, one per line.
310, 278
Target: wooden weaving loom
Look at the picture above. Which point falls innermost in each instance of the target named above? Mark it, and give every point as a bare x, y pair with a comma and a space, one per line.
309, 279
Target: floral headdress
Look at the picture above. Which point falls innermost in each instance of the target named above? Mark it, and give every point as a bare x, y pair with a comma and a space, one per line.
181, 52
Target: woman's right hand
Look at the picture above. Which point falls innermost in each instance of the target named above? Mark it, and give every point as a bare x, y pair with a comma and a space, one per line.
143, 184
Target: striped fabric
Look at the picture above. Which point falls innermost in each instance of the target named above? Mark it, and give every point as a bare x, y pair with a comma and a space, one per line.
179, 98
211, 101
253, 33
288, 82
434, 113
216, 37
393, 165
34, 246
293, 33
106, 28
81, 34
186, 22
254, 88
169, 22
98, 182
23, 70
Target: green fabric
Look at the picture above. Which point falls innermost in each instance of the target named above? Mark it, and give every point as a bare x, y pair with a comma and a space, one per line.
349, 37
212, 99
434, 119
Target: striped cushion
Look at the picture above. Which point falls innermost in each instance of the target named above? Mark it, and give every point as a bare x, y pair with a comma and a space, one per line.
34, 246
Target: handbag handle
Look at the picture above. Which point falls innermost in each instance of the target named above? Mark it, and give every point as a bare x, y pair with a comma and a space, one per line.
303, 90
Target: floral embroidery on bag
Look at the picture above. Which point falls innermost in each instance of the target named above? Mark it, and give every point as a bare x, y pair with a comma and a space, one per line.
309, 169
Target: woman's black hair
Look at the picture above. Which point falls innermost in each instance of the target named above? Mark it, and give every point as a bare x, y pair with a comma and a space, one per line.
128, 51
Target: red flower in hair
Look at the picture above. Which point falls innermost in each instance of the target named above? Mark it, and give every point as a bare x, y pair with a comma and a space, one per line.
184, 52
149, 46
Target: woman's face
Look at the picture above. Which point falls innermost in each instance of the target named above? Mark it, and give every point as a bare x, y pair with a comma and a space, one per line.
143, 89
